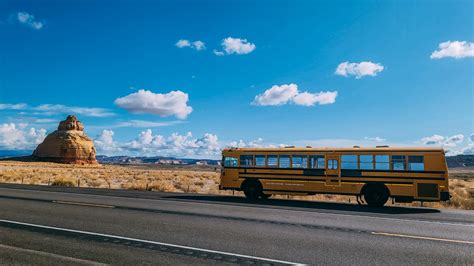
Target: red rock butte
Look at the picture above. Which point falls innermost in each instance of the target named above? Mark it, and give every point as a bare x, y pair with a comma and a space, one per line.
68, 144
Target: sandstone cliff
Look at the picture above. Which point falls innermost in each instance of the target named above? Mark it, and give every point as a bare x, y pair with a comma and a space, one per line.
68, 144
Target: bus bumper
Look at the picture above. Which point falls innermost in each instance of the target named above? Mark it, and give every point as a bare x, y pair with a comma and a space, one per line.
445, 196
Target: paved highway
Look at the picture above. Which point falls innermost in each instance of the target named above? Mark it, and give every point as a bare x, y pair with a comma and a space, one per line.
55, 225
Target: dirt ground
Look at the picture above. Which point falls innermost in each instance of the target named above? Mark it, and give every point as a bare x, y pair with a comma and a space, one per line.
197, 179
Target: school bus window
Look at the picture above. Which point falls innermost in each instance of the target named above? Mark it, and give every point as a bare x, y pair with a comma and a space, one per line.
259, 160
416, 163
382, 162
299, 161
284, 161
366, 162
246, 160
230, 162
349, 162
332, 164
317, 161
272, 160
398, 162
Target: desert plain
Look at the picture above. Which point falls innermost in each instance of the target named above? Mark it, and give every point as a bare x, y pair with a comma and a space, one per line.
187, 178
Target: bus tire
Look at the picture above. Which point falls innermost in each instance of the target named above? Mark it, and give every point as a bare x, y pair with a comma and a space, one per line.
376, 195
252, 189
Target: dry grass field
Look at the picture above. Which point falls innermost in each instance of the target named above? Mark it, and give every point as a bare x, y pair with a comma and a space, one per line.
183, 179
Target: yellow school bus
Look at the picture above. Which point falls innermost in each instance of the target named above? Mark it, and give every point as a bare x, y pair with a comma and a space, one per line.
372, 174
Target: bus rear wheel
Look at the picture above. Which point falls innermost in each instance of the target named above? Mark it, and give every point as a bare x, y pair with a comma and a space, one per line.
376, 195
252, 189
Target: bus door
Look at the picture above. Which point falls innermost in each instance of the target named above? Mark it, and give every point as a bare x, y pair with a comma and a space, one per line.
229, 171
333, 177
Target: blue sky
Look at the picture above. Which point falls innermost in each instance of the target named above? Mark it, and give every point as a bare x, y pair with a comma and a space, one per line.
88, 54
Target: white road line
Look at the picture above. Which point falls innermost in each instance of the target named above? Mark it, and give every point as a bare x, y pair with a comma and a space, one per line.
424, 238
83, 204
397, 219
150, 242
51, 255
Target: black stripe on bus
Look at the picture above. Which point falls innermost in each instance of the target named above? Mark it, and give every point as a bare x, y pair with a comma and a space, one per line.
287, 179
309, 192
391, 182
243, 173
323, 169
269, 176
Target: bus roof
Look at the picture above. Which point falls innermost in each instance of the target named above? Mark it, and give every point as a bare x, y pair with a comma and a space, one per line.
353, 149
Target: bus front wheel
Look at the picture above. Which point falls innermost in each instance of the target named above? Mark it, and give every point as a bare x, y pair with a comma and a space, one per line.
376, 195
252, 189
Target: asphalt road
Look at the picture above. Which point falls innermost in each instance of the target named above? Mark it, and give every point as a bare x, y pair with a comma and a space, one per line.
54, 225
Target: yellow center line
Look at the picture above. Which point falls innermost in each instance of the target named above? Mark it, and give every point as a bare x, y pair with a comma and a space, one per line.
424, 237
83, 204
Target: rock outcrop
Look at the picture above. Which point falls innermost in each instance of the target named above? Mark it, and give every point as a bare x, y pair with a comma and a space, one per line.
68, 144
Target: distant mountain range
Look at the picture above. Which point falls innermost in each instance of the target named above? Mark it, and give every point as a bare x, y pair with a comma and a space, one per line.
453, 161
14, 153
153, 160
460, 161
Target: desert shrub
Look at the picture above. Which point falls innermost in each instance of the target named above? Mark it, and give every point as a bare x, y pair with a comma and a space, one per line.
462, 198
135, 186
63, 183
94, 183
162, 187
199, 183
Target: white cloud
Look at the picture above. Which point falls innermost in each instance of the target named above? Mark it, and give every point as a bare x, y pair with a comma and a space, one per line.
376, 139
288, 93
167, 104
235, 46
143, 123
452, 144
277, 95
51, 109
468, 150
471, 138
455, 49
18, 136
433, 140
310, 99
218, 53
183, 43
44, 120
63, 109
105, 143
438, 140
197, 45
454, 140
358, 69
148, 144
258, 143
29, 20
17, 106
